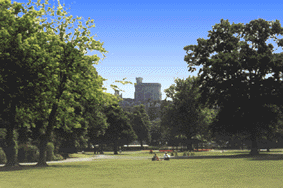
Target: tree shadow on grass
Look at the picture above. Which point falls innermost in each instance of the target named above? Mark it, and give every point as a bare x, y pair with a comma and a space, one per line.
264, 157
243, 156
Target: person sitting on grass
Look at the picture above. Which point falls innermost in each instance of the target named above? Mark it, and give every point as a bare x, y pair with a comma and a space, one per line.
155, 157
166, 156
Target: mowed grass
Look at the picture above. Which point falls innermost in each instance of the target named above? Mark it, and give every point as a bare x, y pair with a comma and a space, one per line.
260, 171
145, 153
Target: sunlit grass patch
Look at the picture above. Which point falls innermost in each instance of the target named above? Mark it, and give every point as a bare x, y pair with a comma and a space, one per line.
124, 172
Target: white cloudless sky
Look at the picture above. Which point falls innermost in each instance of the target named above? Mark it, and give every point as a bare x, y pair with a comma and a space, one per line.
146, 38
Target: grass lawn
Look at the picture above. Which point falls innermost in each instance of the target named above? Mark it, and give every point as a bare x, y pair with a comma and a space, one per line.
145, 153
262, 171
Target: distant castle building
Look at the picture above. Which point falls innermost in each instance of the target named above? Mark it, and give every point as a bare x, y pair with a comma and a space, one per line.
146, 91
148, 94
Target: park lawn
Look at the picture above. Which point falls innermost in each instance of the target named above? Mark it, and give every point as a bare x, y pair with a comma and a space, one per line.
145, 153
215, 172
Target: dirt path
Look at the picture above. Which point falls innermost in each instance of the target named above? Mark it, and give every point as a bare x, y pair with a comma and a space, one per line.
97, 157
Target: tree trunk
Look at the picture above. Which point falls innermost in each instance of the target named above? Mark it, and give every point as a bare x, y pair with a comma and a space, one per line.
94, 150
254, 149
11, 147
141, 144
197, 146
46, 137
115, 147
101, 149
190, 146
42, 152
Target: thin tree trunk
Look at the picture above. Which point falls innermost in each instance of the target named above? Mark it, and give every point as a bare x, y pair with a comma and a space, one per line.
197, 146
94, 150
101, 148
141, 144
115, 147
254, 149
190, 146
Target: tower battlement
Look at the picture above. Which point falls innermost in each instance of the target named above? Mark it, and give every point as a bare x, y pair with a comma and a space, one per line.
146, 91
139, 80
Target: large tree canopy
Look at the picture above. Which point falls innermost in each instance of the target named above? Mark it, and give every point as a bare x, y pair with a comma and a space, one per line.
240, 73
22, 58
43, 66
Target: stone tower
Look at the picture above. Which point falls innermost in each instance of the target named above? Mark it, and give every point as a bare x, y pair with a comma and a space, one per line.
145, 91
139, 80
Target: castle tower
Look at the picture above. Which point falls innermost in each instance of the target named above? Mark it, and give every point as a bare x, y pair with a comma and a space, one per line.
139, 80
145, 91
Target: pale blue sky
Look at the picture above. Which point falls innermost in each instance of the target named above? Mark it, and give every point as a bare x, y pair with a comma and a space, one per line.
146, 38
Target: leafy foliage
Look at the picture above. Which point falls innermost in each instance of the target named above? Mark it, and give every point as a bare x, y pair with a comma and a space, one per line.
141, 124
119, 129
183, 117
240, 74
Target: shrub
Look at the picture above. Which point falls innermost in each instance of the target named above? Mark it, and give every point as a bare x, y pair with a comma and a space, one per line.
153, 147
50, 152
28, 153
58, 157
3, 159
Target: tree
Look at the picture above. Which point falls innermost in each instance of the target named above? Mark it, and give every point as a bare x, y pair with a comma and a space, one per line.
67, 76
206, 117
185, 110
241, 75
21, 54
141, 124
153, 111
128, 135
167, 121
155, 132
119, 126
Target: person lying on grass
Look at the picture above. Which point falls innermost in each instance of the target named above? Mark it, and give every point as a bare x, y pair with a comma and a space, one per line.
155, 157
166, 156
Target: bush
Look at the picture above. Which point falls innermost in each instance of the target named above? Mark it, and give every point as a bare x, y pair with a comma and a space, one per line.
3, 159
50, 152
58, 157
28, 153
153, 147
